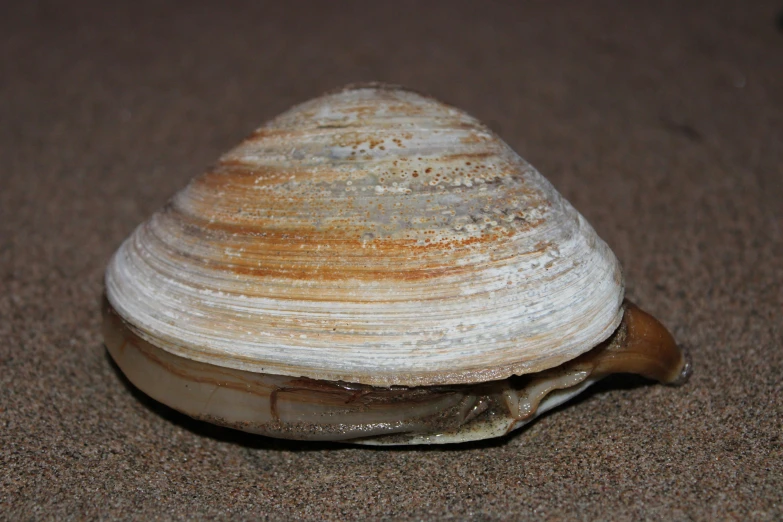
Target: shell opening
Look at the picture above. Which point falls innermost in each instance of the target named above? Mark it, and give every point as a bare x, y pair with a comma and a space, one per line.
307, 409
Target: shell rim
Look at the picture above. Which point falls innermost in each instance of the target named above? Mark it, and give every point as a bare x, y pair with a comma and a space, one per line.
384, 380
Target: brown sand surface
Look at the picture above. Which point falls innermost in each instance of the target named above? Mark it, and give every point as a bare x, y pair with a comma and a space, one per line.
661, 122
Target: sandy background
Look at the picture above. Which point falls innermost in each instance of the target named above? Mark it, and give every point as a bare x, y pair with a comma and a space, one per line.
662, 124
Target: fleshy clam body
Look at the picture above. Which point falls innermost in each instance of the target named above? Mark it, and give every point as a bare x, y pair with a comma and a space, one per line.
377, 267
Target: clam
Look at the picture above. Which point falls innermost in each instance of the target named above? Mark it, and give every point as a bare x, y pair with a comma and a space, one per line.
378, 267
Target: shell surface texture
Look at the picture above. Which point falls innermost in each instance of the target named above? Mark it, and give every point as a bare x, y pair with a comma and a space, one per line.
378, 267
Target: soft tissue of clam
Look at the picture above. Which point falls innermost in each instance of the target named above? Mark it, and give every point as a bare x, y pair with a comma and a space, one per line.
378, 267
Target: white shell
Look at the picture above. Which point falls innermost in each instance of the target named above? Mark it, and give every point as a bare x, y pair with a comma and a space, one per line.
376, 236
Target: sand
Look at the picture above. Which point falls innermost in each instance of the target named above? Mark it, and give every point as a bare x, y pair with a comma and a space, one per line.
662, 124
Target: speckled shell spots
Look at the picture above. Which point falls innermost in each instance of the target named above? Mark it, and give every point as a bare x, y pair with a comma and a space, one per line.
372, 235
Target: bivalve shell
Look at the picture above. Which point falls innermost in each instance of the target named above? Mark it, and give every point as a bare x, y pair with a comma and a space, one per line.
371, 236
